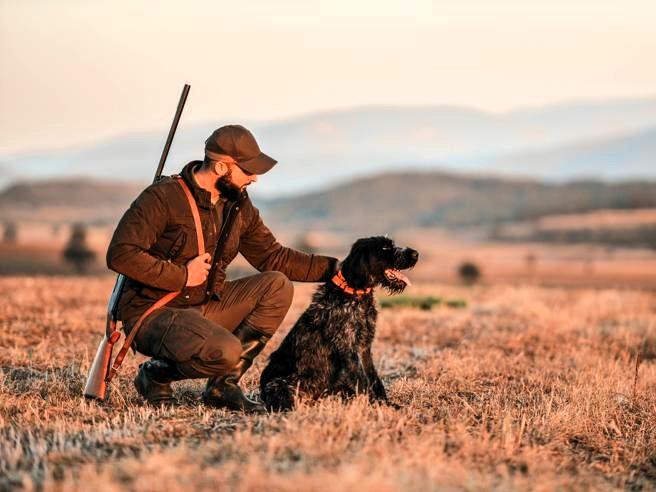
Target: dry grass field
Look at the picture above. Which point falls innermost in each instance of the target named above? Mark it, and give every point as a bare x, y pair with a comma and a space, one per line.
525, 388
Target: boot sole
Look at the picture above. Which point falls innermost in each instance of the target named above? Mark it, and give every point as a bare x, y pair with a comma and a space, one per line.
222, 404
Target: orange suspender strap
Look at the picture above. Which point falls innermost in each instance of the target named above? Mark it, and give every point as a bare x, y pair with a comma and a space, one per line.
194, 212
168, 297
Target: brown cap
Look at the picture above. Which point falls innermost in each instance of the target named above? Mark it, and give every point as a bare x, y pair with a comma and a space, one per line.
237, 142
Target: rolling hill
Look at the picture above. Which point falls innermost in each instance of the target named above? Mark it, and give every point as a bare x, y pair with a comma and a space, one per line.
393, 201
376, 204
67, 201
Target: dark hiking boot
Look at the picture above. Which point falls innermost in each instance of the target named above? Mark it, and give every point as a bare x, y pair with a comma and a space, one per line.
224, 391
153, 381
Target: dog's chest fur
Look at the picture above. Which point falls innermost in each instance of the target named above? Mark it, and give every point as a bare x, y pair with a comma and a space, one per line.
338, 314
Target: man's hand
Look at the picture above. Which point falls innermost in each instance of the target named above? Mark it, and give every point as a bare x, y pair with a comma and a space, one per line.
197, 270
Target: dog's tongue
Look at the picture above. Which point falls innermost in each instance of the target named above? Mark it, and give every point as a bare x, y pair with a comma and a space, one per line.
398, 275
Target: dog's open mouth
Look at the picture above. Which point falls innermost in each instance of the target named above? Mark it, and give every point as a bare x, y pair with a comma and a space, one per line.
393, 274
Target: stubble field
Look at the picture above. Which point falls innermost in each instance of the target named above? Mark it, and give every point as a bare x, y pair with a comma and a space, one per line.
524, 388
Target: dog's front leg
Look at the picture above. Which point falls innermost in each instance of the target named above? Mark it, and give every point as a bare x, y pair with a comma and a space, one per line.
376, 388
351, 376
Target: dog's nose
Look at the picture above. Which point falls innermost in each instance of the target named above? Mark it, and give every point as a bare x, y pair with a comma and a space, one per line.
414, 255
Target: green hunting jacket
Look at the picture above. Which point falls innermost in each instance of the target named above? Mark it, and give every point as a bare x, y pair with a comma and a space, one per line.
156, 237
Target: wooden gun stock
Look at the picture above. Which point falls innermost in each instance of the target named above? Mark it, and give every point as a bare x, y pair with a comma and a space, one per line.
96, 387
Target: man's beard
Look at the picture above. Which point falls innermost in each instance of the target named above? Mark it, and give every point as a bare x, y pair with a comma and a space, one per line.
227, 188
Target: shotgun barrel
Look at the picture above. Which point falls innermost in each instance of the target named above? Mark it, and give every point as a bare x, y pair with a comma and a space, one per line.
174, 127
96, 385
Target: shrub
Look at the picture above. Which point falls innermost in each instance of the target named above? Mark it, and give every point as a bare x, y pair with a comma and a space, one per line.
469, 272
10, 234
77, 252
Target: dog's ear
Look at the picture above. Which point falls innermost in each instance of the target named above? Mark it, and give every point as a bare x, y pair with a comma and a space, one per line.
356, 267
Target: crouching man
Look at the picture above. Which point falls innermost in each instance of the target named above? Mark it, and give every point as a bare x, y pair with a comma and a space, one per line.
213, 328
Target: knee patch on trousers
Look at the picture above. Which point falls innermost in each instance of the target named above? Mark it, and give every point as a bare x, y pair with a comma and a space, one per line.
216, 357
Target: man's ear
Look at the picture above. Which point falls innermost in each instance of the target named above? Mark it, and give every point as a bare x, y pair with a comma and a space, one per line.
219, 168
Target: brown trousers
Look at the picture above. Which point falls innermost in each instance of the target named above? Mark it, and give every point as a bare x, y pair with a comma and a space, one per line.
200, 340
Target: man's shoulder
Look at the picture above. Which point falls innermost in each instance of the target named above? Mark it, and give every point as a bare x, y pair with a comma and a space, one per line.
162, 193
164, 185
167, 181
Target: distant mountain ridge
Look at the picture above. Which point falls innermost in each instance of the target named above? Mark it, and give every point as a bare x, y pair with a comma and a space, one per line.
320, 149
611, 158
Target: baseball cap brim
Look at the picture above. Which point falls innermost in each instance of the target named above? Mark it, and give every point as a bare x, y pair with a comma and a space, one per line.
259, 164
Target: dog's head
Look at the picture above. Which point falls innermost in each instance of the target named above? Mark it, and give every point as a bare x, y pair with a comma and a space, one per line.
378, 261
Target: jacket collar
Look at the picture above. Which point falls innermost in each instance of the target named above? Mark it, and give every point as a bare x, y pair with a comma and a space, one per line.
203, 197
341, 282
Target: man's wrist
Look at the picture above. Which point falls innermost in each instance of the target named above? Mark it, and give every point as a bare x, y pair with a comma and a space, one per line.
333, 268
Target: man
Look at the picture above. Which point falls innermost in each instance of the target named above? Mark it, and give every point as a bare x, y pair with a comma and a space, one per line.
207, 331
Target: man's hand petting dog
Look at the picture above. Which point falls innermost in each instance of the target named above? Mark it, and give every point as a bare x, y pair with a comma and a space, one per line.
328, 350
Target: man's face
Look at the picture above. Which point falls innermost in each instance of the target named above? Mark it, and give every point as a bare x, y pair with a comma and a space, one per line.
240, 178
232, 184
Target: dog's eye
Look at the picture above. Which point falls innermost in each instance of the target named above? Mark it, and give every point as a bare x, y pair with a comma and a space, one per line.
386, 248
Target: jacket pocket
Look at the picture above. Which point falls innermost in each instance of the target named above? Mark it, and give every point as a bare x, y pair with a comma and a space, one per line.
177, 245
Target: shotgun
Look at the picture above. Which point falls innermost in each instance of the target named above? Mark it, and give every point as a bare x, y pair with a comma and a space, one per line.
96, 386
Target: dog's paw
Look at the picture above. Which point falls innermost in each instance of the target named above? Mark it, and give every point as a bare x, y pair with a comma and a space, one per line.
393, 405
384, 402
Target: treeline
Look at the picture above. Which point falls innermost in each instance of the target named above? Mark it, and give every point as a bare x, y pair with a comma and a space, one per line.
636, 237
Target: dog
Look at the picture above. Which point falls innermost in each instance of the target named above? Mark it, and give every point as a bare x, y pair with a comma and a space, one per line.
328, 350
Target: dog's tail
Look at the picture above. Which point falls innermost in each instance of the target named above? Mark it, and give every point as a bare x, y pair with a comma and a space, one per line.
277, 394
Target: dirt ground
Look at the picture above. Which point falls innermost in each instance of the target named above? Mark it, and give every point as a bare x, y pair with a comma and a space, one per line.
525, 388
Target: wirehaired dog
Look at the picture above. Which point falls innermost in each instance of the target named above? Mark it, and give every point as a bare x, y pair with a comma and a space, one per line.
328, 350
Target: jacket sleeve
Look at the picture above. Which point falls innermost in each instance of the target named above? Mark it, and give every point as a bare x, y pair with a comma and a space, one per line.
261, 249
137, 231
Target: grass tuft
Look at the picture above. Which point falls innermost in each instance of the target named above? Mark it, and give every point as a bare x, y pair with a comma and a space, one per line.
425, 303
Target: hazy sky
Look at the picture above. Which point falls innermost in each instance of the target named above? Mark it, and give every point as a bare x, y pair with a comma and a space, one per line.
73, 71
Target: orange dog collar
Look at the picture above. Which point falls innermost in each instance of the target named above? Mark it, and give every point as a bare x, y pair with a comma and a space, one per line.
340, 281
